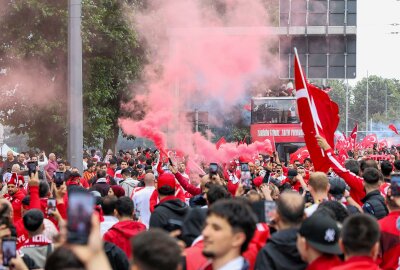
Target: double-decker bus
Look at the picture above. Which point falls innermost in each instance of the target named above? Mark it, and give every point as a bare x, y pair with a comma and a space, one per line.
276, 119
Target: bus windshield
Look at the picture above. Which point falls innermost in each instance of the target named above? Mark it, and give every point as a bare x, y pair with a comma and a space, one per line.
274, 110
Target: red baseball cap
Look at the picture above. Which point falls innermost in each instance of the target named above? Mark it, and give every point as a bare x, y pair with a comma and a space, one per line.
166, 179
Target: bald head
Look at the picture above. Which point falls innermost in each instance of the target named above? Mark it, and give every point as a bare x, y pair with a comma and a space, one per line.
149, 179
290, 208
52, 156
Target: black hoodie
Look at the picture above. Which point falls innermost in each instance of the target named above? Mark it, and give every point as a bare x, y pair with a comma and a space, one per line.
169, 215
280, 252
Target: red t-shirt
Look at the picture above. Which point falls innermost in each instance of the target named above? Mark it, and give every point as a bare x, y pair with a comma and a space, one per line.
324, 262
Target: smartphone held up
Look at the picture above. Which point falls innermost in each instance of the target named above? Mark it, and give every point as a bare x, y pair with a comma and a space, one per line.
80, 210
9, 248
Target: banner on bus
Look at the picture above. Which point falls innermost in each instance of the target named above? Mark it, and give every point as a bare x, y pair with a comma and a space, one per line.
277, 133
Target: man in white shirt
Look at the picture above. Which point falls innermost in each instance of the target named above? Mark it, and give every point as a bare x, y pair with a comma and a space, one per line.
118, 174
141, 199
318, 185
229, 227
108, 207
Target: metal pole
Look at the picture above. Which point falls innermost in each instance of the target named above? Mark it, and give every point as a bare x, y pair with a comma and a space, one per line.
366, 110
386, 103
347, 107
75, 106
196, 120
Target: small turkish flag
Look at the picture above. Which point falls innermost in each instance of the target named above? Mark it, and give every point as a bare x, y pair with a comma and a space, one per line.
393, 127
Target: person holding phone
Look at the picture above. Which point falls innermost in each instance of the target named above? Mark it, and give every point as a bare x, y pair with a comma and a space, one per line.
232, 176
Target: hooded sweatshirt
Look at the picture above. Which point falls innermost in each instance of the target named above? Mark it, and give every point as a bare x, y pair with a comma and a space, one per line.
129, 184
280, 252
121, 233
169, 214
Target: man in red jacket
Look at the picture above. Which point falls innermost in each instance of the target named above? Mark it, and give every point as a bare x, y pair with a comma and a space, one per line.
355, 182
390, 234
15, 196
359, 243
121, 233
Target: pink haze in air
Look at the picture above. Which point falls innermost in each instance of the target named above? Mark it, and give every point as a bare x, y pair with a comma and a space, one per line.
197, 56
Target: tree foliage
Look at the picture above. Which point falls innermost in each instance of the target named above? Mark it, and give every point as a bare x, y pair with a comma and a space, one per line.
34, 34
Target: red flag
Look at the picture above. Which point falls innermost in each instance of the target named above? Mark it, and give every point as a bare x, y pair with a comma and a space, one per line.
318, 115
383, 144
301, 154
220, 142
393, 127
369, 141
247, 107
353, 134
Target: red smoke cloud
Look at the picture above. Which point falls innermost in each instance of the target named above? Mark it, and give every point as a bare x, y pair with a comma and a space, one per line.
199, 56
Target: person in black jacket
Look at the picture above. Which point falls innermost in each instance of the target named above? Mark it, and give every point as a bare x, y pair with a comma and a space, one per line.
281, 252
170, 212
374, 203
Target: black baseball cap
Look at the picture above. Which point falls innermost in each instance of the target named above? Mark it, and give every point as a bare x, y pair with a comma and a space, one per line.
292, 173
322, 233
337, 187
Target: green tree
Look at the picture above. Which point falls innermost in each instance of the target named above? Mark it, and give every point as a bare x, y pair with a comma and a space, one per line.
35, 32
378, 89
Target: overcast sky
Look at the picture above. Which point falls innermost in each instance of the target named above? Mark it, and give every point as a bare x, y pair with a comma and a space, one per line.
378, 51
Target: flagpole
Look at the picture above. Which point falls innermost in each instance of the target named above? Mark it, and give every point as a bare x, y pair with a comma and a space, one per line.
307, 95
305, 85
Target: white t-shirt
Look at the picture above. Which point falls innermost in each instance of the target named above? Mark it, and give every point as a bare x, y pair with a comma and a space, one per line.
141, 200
108, 222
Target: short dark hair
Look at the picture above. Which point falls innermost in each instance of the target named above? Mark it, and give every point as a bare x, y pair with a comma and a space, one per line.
90, 164
101, 174
397, 164
131, 162
63, 258
108, 204
43, 189
134, 173
149, 161
126, 172
26, 200
359, 234
217, 192
238, 214
166, 191
353, 166
113, 161
290, 211
386, 167
155, 250
33, 219
124, 206
364, 164
371, 176
339, 210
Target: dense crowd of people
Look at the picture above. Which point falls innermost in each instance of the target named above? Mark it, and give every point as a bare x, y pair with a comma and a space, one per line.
151, 211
